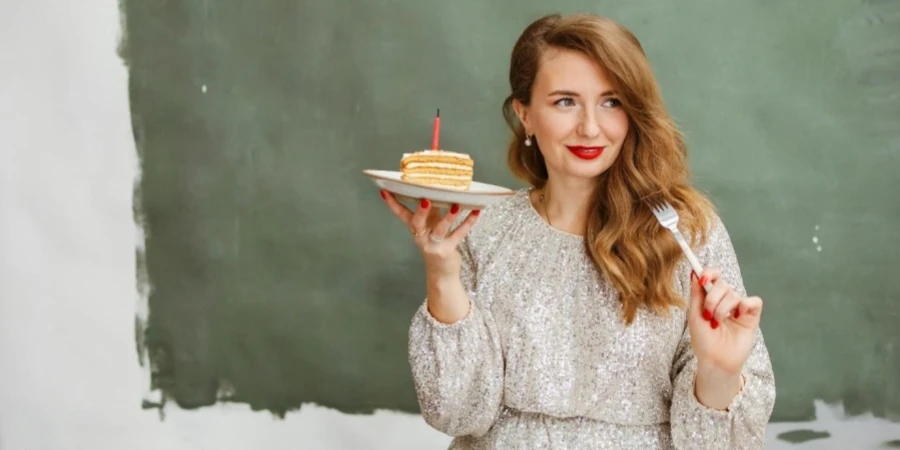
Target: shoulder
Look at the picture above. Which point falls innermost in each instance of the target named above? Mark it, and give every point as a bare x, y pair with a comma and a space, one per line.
499, 218
509, 205
715, 229
717, 249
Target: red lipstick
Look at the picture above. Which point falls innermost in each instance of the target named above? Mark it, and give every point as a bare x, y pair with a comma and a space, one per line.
585, 152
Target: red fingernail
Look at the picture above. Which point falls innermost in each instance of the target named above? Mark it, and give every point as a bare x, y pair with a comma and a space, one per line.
454, 209
706, 314
737, 313
384, 194
714, 323
476, 212
702, 280
424, 203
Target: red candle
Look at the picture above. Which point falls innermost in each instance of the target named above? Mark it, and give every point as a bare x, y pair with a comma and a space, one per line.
436, 132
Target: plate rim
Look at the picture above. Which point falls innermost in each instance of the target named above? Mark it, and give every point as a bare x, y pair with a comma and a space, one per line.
368, 172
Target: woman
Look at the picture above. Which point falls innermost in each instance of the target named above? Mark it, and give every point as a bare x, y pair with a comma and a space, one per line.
568, 318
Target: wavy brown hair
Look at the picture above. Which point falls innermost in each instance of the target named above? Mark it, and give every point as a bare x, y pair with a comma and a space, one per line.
623, 238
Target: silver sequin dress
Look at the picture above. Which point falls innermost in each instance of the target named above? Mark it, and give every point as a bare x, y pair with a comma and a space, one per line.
544, 360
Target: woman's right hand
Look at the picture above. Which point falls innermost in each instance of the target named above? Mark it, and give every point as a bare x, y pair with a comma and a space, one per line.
431, 233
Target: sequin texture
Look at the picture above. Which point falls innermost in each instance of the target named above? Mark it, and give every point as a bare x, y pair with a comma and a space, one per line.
545, 361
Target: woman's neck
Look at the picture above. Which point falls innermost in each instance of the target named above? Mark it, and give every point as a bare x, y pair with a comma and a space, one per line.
565, 204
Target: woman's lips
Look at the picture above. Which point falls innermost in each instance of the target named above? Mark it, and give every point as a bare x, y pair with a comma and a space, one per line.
585, 152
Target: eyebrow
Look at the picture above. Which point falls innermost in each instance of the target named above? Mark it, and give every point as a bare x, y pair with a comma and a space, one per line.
575, 94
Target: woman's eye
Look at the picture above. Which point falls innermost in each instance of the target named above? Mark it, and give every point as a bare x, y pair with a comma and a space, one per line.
565, 101
612, 103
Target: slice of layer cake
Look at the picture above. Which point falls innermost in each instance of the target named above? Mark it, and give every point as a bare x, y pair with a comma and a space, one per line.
451, 170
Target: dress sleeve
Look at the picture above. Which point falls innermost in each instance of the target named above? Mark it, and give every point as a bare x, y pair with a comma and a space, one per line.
458, 368
743, 424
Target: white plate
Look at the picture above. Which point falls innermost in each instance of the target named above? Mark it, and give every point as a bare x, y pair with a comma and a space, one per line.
478, 196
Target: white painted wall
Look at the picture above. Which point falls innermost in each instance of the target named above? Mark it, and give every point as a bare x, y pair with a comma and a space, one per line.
69, 377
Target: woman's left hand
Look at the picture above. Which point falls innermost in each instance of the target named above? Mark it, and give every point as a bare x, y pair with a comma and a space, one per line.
722, 324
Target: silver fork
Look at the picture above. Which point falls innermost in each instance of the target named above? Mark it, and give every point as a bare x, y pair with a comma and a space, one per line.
668, 218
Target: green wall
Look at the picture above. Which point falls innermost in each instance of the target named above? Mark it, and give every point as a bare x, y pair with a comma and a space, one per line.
278, 276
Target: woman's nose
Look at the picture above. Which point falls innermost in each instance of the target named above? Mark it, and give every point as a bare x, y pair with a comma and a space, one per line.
589, 126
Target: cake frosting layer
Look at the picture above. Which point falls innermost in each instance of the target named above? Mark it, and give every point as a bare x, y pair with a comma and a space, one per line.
441, 153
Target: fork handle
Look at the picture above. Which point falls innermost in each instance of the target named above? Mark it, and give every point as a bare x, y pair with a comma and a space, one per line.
692, 258
698, 269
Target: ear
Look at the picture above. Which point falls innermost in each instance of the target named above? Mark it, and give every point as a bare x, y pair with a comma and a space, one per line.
522, 111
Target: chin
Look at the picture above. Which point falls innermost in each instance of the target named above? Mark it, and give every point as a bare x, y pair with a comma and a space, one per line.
587, 172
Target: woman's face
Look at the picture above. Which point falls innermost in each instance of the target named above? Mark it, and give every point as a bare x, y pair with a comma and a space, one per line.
575, 116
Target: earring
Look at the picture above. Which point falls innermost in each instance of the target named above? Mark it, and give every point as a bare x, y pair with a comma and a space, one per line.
527, 140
